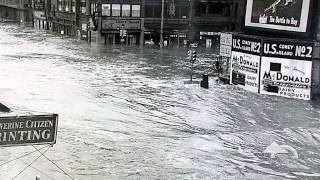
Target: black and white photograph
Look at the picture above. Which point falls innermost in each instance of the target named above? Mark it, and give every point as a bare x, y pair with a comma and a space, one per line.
159, 90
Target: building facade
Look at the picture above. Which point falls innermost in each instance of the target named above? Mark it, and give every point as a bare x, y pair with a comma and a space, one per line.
39, 18
62, 17
176, 21
136, 22
16, 10
209, 17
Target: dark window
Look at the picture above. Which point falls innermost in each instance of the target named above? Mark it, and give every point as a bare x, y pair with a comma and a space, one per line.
148, 11
157, 11
184, 12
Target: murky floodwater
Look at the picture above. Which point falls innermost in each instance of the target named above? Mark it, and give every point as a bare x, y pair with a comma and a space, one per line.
126, 114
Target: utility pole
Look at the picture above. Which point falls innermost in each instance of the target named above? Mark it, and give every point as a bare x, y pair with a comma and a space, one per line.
99, 13
161, 30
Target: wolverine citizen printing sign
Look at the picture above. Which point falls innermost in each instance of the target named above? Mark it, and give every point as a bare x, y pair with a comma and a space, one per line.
286, 68
24, 130
288, 15
245, 63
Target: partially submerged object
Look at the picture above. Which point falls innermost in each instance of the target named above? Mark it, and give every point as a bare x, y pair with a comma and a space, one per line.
4, 108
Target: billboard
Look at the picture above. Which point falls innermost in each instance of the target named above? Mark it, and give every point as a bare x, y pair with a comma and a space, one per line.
287, 15
245, 63
26, 130
286, 69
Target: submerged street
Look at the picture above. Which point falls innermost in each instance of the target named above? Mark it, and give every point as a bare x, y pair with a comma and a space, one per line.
125, 113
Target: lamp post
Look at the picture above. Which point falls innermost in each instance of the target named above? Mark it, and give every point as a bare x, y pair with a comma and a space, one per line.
161, 30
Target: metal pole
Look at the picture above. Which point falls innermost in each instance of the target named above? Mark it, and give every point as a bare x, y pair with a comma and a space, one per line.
191, 72
178, 38
161, 30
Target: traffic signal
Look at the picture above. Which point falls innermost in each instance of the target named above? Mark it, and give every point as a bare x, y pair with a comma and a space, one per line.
124, 32
194, 56
189, 54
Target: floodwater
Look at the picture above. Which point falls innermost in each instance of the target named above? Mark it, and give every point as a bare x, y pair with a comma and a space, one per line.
125, 113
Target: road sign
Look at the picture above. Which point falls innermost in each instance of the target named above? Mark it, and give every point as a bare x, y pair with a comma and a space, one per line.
26, 130
225, 44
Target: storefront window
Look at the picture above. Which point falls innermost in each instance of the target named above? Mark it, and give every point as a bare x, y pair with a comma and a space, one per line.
115, 9
135, 10
148, 11
126, 10
106, 9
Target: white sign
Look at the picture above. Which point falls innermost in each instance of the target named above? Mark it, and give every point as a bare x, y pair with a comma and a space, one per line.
39, 14
287, 15
84, 27
245, 71
226, 39
225, 50
225, 44
286, 77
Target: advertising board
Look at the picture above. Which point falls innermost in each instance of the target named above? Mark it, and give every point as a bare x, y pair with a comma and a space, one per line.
39, 15
287, 15
286, 69
124, 23
245, 63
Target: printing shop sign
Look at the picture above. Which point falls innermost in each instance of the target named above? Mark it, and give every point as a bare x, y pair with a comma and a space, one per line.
245, 63
28, 130
286, 69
